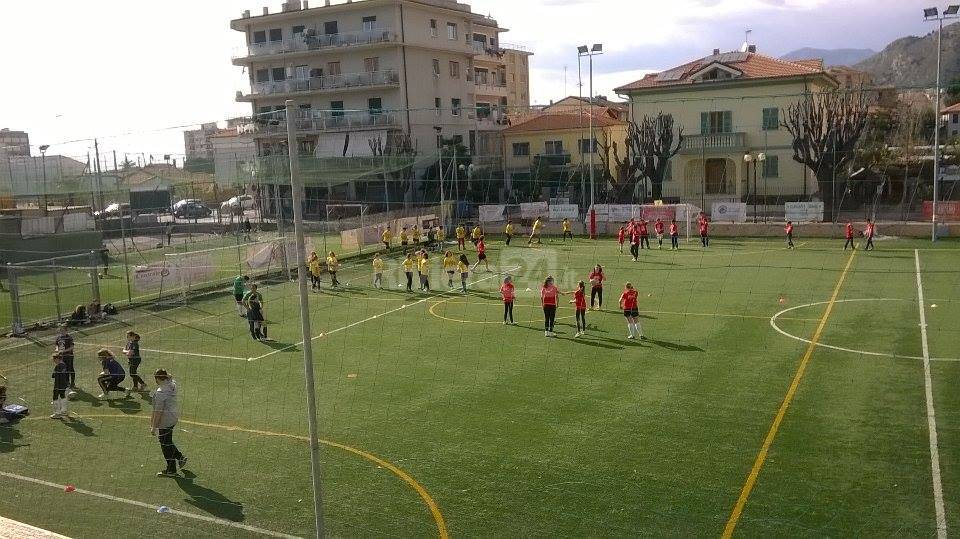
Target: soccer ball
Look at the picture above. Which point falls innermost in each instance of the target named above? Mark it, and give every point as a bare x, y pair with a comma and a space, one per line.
71, 395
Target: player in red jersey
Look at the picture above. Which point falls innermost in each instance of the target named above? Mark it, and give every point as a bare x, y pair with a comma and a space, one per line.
635, 243
580, 302
644, 234
596, 286
507, 292
848, 233
631, 311
481, 254
674, 235
658, 228
869, 232
548, 298
704, 230
621, 237
789, 230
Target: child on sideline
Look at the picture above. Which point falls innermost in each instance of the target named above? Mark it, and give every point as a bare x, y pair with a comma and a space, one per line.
566, 230
61, 379
849, 235
132, 351
450, 267
377, 271
464, 268
658, 228
508, 231
508, 293
596, 287
385, 238
111, 374
424, 267
333, 264
580, 302
868, 233
313, 265
674, 235
628, 302
461, 233
789, 230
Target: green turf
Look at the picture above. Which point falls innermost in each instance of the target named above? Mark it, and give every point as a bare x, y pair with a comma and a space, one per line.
515, 434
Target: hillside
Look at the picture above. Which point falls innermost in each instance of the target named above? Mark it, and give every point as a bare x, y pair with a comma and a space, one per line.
912, 61
831, 57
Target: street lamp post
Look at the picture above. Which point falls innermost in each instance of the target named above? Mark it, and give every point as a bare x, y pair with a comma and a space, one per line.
43, 163
590, 52
439, 130
752, 160
933, 14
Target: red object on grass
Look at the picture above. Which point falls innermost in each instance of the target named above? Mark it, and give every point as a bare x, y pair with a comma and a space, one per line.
69, 488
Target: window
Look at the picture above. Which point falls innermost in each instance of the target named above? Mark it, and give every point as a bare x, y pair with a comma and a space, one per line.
333, 68
371, 64
336, 108
298, 30
436, 67
316, 73
585, 146
955, 118
716, 122
260, 36
771, 119
279, 73
771, 167
369, 23
553, 147
521, 149
480, 75
438, 104
451, 31
483, 110
330, 28
458, 140
454, 70
375, 105
433, 28
263, 75
276, 34
455, 106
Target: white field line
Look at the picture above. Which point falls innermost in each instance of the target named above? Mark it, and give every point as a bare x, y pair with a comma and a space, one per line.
374, 317
931, 414
165, 352
205, 518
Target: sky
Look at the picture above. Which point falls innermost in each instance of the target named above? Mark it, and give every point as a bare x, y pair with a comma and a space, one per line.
136, 73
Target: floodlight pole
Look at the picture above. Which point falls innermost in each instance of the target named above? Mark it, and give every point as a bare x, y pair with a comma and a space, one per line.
936, 138
308, 373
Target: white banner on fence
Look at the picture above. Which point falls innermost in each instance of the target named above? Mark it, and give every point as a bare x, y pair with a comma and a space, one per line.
734, 212
564, 211
532, 210
492, 213
803, 212
175, 272
151, 277
617, 213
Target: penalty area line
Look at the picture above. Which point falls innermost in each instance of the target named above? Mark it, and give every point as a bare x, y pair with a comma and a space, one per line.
166, 352
374, 317
144, 505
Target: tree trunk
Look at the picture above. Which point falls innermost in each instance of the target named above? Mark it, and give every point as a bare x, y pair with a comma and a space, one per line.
827, 194
656, 189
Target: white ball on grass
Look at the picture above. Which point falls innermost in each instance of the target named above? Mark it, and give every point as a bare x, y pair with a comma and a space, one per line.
71, 395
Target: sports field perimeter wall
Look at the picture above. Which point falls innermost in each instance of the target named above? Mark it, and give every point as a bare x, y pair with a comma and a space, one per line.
806, 230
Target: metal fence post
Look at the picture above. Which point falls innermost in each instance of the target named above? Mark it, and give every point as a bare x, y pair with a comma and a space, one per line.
16, 322
95, 275
56, 292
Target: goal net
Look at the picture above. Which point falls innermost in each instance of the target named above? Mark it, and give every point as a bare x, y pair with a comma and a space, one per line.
49, 290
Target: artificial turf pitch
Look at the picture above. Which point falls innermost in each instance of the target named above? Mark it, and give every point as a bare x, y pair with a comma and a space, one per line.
436, 418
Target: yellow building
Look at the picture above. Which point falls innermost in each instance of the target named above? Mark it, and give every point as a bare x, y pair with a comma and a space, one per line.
731, 105
560, 141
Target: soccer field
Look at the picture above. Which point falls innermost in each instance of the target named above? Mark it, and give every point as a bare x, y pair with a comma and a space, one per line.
778, 393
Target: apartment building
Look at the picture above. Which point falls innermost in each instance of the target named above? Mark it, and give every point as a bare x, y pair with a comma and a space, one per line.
14, 143
371, 70
196, 142
731, 105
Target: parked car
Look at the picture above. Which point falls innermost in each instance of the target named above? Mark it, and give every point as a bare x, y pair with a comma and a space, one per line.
192, 210
238, 204
180, 203
111, 210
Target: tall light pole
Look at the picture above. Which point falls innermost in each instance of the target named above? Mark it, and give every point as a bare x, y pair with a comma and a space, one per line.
43, 163
750, 159
933, 14
439, 130
590, 52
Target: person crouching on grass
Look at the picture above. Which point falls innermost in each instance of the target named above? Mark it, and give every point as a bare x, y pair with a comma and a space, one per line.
580, 302
111, 374
132, 351
631, 311
61, 380
164, 419
508, 293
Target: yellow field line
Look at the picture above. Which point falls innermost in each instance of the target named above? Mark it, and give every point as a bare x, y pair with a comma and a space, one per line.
784, 405
396, 470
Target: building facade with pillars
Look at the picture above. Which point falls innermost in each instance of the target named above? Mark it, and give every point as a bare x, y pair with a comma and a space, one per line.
730, 105
375, 70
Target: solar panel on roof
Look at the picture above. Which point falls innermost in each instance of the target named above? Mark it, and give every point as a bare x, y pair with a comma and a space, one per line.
732, 57
671, 75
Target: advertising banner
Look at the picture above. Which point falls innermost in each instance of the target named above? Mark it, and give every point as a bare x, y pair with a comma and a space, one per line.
947, 210
803, 212
532, 210
733, 212
564, 211
492, 213
652, 212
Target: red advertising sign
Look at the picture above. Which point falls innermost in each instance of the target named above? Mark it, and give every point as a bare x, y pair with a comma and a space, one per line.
652, 212
946, 210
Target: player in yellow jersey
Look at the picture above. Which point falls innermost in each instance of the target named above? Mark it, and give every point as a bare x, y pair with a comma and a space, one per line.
463, 266
415, 235
440, 236
476, 234
508, 231
424, 268
313, 265
404, 236
333, 264
378, 266
449, 266
535, 231
461, 236
386, 237
408, 265
566, 230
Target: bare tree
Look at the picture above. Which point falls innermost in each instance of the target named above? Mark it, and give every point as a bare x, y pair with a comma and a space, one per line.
826, 127
650, 145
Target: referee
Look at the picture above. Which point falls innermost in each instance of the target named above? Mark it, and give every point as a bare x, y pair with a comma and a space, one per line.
164, 419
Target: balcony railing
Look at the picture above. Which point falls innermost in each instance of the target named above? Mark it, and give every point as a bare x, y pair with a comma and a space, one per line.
311, 40
714, 142
311, 121
554, 159
327, 82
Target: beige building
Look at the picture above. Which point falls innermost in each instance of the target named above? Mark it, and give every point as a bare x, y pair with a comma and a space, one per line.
377, 69
730, 105
196, 142
14, 143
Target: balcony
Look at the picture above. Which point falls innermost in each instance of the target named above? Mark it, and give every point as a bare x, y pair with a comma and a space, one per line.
327, 83
308, 121
488, 87
554, 159
713, 143
313, 42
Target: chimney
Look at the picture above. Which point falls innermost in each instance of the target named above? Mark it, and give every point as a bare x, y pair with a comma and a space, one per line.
716, 52
266, 10
306, 4
752, 48
246, 14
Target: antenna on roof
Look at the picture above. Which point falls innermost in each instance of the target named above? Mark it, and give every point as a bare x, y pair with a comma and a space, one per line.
746, 40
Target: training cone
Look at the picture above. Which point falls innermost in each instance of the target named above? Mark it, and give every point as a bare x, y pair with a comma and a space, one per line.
163, 509
69, 488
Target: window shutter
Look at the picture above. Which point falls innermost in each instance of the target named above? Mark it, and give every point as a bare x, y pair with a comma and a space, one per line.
727, 121
704, 123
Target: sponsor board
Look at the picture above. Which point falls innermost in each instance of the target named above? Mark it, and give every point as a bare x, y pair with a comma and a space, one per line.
564, 211
658, 211
803, 212
733, 212
532, 210
492, 213
946, 210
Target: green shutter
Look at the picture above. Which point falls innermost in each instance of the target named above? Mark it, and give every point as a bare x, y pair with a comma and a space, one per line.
704, 123
771, 167
727, 121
